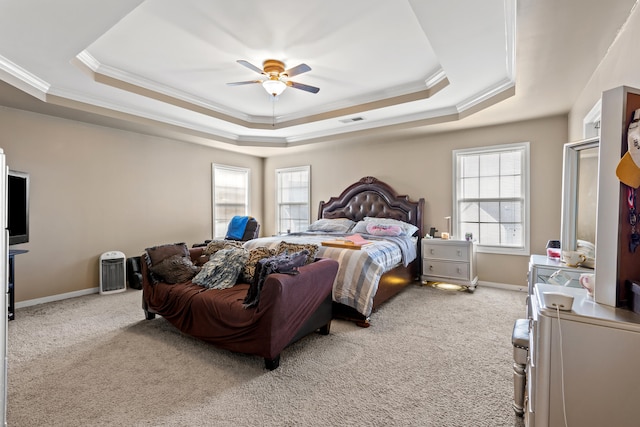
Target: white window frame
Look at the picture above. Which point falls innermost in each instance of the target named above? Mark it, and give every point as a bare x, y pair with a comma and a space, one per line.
523, 147
292, 227
245, 174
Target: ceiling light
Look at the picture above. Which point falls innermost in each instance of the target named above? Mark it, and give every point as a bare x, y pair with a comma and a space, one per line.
274, 87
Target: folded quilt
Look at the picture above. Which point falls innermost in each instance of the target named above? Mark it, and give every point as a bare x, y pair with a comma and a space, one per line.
237, 226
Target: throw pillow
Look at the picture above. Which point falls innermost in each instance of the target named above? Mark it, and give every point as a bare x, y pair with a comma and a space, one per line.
284, 247
255, 255
383, 229
215, 245
175, 269
408, 229
223, 269
157, 254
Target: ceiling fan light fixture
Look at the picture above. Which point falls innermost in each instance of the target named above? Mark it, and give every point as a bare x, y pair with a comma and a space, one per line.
274, 87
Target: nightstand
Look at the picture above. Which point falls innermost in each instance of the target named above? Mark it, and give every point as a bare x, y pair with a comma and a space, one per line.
449, 261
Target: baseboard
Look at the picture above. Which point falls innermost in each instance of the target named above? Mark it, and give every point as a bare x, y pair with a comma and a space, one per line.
58, 297
95, 290
506, 286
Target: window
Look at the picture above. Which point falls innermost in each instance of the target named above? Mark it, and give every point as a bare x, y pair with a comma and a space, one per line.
230, 196
292, 199
491, 189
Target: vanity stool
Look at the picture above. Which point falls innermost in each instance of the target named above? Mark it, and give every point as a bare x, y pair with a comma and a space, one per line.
520, 341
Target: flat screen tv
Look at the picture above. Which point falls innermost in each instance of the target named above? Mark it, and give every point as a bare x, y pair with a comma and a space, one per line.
18, 207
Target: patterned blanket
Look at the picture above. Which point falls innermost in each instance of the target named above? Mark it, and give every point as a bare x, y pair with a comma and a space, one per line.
360, 270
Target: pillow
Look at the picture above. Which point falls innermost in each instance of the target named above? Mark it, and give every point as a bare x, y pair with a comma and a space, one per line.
383, 229
360, 227
408, 229
157, 254
175, 269
282, 263
215, 245
338, 225
255, 255
297, 247
223, 269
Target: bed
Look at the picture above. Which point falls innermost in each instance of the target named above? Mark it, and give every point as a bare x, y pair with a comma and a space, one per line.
376, 272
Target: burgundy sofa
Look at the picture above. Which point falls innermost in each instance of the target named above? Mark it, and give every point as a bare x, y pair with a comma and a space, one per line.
290, 307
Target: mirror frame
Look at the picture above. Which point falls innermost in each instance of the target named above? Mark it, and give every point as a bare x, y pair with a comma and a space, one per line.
570, 189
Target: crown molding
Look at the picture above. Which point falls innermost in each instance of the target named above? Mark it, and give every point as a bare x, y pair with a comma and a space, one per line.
23, 79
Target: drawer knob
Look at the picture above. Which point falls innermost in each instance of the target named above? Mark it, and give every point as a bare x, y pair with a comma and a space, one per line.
459, 252
431, 268
432, 251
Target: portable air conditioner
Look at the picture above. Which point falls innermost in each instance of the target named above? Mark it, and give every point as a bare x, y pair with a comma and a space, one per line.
112, 272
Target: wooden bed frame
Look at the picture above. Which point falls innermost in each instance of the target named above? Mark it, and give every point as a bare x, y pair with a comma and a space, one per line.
374, 198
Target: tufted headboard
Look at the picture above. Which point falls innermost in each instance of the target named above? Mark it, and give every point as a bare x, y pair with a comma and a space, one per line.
374, 198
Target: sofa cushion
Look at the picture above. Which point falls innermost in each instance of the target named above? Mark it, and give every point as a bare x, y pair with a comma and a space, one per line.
255, 255
223, 268
175, 269
285, 247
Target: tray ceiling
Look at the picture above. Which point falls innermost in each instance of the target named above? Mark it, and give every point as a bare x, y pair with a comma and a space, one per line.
164, 66
394, 63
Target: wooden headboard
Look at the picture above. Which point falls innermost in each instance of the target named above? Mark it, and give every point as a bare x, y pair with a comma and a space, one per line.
373, 198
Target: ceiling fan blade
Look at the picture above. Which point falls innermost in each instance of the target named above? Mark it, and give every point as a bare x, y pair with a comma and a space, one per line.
304, 87
250, 66
246, 82
298, 69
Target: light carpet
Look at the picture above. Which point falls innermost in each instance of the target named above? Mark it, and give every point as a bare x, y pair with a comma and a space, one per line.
430, 358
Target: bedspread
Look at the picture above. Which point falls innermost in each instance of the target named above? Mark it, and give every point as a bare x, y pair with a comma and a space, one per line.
360, 270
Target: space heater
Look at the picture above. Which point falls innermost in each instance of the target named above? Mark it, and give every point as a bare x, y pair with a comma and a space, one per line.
112, 272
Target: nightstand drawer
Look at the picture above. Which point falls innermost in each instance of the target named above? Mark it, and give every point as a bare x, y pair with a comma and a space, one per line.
445, 269
448, 252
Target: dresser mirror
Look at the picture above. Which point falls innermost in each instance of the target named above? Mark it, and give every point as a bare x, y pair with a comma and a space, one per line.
579, 195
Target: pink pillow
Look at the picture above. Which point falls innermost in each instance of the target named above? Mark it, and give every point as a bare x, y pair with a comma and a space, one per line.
383, 229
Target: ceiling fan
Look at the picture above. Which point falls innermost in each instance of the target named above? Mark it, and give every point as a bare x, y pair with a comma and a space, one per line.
277, 80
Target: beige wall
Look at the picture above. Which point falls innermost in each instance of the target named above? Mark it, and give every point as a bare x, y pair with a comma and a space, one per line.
422, 167
95, 189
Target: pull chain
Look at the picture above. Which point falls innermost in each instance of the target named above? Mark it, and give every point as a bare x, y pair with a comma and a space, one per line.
273, 111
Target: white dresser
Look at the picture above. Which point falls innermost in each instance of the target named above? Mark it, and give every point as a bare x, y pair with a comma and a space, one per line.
450, 261
594, 350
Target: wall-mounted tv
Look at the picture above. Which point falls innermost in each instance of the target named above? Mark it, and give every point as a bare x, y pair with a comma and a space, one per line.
18, 207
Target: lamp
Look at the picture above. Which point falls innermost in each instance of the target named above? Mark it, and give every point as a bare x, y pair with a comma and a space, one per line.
273, 86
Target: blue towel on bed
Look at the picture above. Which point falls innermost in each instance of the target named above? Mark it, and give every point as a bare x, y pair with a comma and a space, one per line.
236, 227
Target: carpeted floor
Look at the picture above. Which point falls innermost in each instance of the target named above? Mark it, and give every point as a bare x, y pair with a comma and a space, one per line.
430, 358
